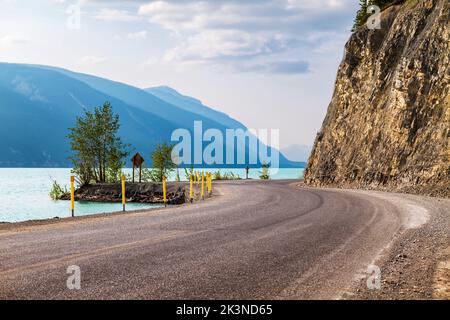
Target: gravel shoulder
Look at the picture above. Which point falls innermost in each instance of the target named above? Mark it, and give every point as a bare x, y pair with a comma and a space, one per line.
416, 265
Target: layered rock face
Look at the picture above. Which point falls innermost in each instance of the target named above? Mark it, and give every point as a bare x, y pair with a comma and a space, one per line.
388, 124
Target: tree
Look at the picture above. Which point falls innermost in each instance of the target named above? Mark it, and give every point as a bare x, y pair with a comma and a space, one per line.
162, 162
98, 150
362, 15
114, 167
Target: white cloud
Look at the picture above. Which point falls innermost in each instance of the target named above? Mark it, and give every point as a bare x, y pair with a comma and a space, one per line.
137, 35
317, 4
93, 59
226, 32
107, 14
13, 39
227, 45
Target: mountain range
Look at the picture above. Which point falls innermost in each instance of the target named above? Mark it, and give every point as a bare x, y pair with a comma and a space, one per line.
39, 103
297, 152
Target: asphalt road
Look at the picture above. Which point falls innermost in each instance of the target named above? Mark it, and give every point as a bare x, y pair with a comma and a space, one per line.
252, 240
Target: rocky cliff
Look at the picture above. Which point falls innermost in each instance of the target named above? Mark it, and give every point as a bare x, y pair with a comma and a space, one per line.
388, 124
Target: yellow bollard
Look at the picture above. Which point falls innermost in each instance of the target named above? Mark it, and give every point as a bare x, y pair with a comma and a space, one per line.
191, 188
165, 191
209, 184
72, 195
203, 187
124, 199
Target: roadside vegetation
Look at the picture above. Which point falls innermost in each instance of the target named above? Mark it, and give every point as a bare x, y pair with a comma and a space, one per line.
57, 192
217, 175
162, 163
98, 152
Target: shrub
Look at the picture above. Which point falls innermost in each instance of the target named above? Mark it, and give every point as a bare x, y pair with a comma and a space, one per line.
225, 176
57, 192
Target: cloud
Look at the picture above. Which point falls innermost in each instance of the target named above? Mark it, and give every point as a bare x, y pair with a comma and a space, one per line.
116, 15
246, 35
282, 67
213, 45
13, 39
137, 35
93, 59
244, 15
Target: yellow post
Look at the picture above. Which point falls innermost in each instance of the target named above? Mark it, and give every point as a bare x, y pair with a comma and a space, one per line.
191, 188
124, 198
165, 191
72, 195
203, 186
209, 183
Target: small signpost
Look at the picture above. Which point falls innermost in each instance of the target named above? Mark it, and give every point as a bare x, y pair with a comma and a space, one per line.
138, 161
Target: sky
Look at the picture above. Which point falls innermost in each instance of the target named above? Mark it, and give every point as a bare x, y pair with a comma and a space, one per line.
270, 64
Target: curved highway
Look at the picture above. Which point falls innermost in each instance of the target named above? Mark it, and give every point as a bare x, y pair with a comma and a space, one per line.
252, 240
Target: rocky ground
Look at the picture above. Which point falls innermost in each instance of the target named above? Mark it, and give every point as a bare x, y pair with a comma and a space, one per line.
148, 192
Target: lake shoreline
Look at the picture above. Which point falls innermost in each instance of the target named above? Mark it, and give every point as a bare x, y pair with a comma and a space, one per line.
7, 227
25, 193
145, 193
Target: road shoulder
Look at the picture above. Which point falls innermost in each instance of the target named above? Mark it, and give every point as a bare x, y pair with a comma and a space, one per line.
416, 265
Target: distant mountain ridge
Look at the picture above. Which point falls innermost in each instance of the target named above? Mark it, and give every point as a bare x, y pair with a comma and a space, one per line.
192, 105
39, 103
297, 152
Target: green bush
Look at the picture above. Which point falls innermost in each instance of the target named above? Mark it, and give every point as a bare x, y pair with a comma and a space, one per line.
57, 191
225, 176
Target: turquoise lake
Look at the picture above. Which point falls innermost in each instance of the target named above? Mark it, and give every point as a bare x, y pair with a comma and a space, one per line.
24, 193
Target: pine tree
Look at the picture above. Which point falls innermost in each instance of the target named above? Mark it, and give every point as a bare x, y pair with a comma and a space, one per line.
362, 15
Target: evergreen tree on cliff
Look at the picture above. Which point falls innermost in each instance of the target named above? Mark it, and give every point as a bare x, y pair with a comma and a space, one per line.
362, 15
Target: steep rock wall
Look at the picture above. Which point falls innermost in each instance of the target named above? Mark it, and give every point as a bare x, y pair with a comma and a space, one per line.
388, 124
